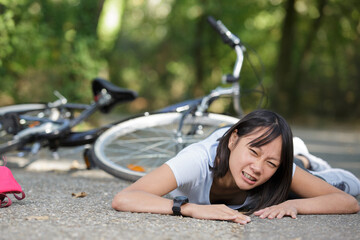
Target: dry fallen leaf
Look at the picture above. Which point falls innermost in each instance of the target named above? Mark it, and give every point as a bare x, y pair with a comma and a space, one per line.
79, 195
37, 218
75, 165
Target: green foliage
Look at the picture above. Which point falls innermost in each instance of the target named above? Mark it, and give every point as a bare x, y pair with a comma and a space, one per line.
167, 51
325, 62
46, 46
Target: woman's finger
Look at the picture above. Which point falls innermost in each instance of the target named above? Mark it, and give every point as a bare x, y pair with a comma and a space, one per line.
259, 212
269, 213
293, 214
239, 217
281, 214
242, 220
273, 214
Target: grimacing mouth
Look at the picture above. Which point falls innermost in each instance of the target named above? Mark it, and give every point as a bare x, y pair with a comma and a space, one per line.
248, 176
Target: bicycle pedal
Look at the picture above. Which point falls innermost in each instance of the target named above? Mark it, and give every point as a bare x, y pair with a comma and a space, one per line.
35, 148
89, 162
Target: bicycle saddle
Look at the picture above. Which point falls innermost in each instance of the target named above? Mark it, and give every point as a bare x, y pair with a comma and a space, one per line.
118, 94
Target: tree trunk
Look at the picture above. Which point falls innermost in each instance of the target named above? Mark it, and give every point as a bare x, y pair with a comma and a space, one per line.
297, 95
283, 73
199, 57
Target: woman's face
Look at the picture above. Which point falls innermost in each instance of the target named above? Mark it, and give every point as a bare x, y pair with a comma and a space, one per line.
253, 166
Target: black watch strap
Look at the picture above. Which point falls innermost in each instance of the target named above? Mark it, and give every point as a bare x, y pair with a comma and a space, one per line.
178, 202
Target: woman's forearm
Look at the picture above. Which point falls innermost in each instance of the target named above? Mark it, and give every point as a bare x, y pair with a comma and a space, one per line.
140, 201
334, 203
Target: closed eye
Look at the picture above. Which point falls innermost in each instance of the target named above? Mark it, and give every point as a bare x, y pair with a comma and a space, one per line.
272, 164
253, 151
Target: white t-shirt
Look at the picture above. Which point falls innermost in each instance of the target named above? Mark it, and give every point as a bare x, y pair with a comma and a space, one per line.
191, 168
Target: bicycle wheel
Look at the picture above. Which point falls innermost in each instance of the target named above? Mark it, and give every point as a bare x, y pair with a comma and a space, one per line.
15, 118
10, 123
22, 108
135, 147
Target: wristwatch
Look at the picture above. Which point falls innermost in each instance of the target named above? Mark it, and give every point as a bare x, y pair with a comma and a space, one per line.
178, 202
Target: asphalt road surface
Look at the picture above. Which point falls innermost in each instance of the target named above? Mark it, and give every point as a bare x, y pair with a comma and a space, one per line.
51, 211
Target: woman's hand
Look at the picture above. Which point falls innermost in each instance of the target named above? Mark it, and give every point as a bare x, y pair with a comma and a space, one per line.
214, 212
278, 211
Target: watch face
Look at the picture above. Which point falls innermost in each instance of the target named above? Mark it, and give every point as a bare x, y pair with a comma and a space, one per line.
181, 198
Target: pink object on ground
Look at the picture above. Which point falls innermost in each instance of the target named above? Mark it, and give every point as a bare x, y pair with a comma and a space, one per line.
8, 185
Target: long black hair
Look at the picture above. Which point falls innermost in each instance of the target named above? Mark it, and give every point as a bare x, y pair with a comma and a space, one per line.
277, 188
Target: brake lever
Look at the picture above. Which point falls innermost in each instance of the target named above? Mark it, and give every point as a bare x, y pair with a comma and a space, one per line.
61, 100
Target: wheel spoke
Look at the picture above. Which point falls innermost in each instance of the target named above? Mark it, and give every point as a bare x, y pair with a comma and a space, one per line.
134, 150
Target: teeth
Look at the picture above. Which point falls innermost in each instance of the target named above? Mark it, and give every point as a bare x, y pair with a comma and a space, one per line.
249, 177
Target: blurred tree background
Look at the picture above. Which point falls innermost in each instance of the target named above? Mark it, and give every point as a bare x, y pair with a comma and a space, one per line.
167, 52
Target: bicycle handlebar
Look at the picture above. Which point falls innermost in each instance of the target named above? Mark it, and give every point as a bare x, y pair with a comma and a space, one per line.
234, 42
227, 36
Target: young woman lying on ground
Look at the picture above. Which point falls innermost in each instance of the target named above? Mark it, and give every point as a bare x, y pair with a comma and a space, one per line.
248, 167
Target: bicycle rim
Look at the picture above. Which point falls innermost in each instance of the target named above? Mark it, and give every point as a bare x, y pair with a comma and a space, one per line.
21, 108
137, 146
9, 124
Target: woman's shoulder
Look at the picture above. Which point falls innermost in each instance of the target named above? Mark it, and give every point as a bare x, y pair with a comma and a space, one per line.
194, 155
198, 157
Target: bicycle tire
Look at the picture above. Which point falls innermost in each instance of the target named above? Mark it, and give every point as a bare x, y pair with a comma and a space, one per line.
15, 118
22, 108
134, 147
7, 141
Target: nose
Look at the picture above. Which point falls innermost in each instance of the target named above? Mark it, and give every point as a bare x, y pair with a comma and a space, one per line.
256, 166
